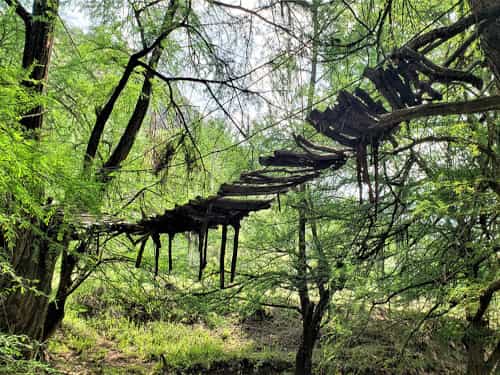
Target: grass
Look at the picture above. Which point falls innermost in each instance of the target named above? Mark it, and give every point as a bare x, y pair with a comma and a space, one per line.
108, 344
147, 335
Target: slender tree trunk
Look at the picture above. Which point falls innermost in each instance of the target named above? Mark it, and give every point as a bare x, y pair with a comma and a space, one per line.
124, 146
303, 359
312, 315
477, 334
127, 140
475, 350
310, 323
56, 307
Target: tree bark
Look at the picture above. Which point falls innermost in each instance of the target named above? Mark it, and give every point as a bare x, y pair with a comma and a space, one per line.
36, 248
490, 38
127, 140
310, 320
475, 349
475, 336
39, 40
310, 329
312, 315
142, 105
33, 259
56, 307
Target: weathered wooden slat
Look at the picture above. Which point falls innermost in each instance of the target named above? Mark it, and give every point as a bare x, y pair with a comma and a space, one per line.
377, 78
243, 205
243, 190
375, 107
436, 72
264, 180
266, 171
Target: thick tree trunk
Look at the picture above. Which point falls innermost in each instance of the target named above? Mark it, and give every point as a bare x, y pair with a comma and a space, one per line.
33, 259
36, 249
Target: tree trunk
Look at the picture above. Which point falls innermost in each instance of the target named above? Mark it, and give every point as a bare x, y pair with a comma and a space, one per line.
39, 39
127, 140
311, 322
56, 307
490, 38
303, 359
477, 335
33, 259
36, 249
475, 350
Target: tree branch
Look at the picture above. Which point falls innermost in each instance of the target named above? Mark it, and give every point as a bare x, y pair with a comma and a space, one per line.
448, 32
20, 11
485, 299
105, 113
253, 13
227, 82
388, 121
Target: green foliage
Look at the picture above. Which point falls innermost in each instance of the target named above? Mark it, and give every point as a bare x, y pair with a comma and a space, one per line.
430, 240
12, 349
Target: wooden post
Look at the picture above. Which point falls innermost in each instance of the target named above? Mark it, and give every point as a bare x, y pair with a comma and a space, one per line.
236, 227
156, 239
222, 255
205, 248
170, 239
200, 250
141, 251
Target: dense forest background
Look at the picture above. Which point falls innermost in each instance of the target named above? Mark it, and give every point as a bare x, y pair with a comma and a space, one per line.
352, 152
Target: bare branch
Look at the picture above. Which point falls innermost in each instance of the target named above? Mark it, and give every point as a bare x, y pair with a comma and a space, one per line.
253, 13
228, 82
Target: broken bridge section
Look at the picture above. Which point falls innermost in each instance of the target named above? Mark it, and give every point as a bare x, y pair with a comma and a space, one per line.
254, 191
357, 122
361, 123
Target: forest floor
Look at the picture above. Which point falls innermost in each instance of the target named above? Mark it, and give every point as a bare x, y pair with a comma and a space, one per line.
258, 345
262, 344
133, 333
